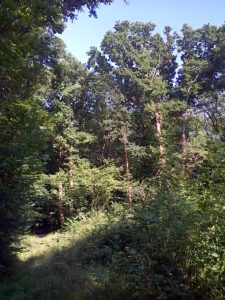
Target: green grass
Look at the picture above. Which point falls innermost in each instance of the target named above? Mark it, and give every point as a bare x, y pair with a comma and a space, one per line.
58, 266
144, 251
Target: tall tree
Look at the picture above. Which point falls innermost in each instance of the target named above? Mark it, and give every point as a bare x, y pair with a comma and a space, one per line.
143, 66
28, 51
201, 79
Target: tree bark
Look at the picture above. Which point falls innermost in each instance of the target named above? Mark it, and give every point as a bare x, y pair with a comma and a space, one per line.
60, 187
159, 123
61, 200
127, 170
70, 169
158, 119
184, 139
161, 143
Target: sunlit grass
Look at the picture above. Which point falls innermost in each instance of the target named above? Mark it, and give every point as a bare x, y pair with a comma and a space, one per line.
35, 246
122, 253
54, 266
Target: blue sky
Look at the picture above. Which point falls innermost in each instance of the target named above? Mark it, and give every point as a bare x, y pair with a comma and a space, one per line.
85, 32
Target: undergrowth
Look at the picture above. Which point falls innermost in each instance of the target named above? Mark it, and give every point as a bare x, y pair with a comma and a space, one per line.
148, 250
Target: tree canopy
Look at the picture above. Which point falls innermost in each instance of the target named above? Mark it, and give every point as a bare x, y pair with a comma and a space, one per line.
132, 137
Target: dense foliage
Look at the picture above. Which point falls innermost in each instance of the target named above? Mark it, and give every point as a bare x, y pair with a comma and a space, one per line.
125, 154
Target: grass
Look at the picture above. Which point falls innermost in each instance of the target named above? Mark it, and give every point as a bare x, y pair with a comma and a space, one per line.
143, 251
56, 266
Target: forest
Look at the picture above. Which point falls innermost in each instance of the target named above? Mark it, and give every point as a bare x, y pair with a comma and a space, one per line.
112, 173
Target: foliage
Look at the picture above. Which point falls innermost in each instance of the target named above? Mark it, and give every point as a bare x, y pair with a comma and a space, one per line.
160, 249
125, 155
29, 50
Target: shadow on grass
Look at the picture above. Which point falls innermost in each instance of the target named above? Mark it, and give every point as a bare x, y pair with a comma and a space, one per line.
142, 256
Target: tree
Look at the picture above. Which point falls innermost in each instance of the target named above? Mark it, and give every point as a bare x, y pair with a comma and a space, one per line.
28, 51
143, 66
201, 79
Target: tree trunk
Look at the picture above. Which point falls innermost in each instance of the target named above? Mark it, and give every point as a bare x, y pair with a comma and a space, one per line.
159, 123
127, 170
61, 200
60, 187
158, 119
70, 169
184, 140
71, 182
